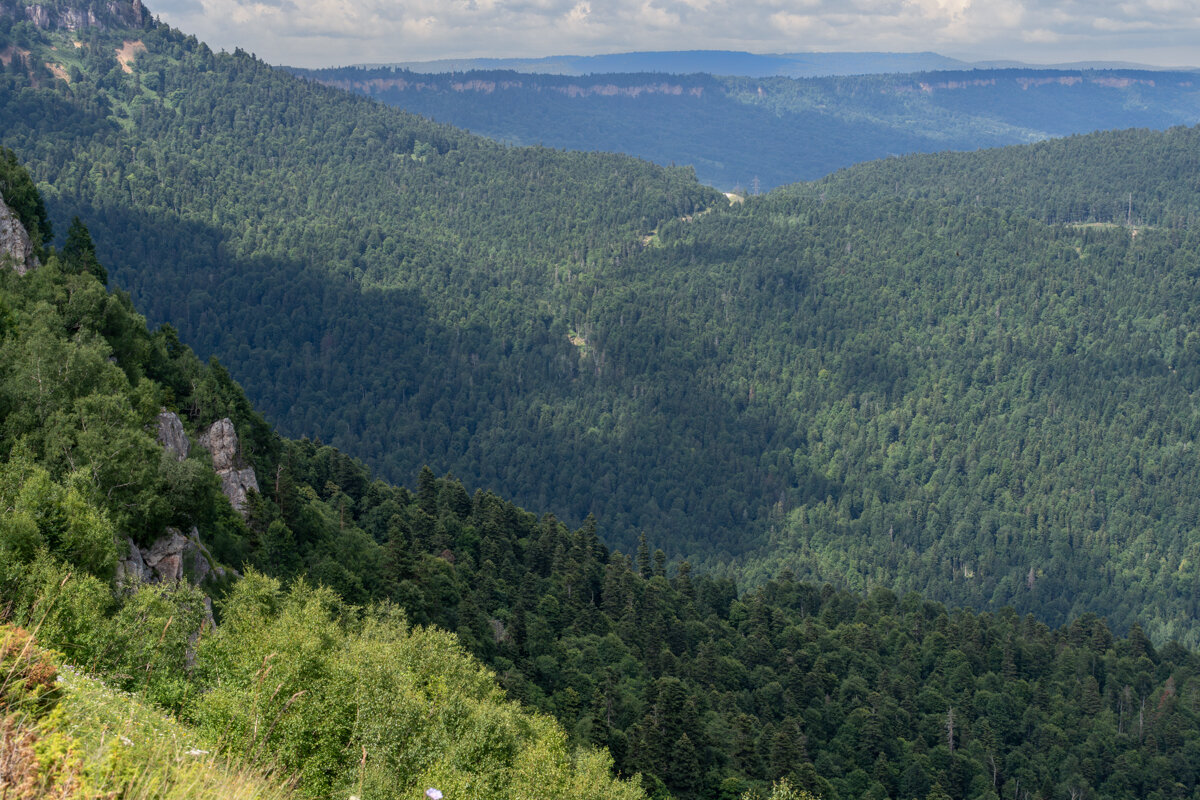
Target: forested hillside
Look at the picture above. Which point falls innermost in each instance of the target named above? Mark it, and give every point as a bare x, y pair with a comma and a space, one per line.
1133, 177
87, 480
398, 288
998, 412
769, 131
708, 693
867, 386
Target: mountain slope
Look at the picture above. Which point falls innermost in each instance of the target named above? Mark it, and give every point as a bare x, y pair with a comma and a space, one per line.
862, 389
293, 680
430, 281
58, 728
712, 694
1134, 177
993, 411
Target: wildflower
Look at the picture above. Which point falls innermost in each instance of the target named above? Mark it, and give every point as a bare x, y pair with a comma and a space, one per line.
433, 794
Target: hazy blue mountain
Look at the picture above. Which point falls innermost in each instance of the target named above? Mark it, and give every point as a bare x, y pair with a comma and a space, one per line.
762, 132
715, 62
750, 65
1009, 64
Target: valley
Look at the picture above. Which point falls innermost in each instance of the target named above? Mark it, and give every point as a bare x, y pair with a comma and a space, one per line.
875, 485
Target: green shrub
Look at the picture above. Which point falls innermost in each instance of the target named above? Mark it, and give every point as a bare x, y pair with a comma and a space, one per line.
359, 702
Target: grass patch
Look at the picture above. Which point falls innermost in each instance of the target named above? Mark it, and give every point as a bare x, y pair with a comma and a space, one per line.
65, 735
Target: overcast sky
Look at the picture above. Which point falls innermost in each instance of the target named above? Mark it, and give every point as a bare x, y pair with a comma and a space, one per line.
337, 32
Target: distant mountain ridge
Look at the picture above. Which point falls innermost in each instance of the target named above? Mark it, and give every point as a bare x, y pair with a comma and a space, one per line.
745, 132
735, 62
683, 62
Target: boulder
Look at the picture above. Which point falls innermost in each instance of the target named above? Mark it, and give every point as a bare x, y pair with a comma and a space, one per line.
220, 440
165, 557
173, 559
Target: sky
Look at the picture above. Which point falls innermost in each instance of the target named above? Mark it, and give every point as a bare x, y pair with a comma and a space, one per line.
315, 33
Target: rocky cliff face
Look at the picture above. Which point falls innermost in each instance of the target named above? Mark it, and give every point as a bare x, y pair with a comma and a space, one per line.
16, 250
438, 83
176, 557
172, 559
75, 15
237, 478
171, 436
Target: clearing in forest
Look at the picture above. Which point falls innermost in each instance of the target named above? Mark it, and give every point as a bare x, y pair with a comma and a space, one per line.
128, 51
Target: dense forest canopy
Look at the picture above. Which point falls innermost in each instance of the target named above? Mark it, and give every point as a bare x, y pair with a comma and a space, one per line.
919, 374
1133, 177
399, 288
962, 380
85, 481
320, 655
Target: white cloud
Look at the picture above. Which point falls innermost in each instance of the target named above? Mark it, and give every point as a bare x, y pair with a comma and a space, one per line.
323, 32
1041, 36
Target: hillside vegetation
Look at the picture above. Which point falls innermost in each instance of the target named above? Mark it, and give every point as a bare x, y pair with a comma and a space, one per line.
295, 681
319, 670
398, 288
1133, 177
65, 735
886, 380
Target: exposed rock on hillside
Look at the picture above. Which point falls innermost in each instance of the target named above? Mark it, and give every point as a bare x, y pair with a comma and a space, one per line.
171, 435
172, 559
72, 16
237, 478
15, 247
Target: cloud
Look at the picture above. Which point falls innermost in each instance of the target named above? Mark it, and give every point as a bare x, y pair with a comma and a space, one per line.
323, 32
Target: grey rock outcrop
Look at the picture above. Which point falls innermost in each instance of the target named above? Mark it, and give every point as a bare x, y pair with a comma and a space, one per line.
101, 14
237, 478
16, 250
173, 558
165, 557
132, 568
39, 15
171, 435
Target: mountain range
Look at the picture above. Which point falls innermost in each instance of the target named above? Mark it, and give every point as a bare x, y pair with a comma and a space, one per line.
731, 62
753, 133
686, 62
792, 382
